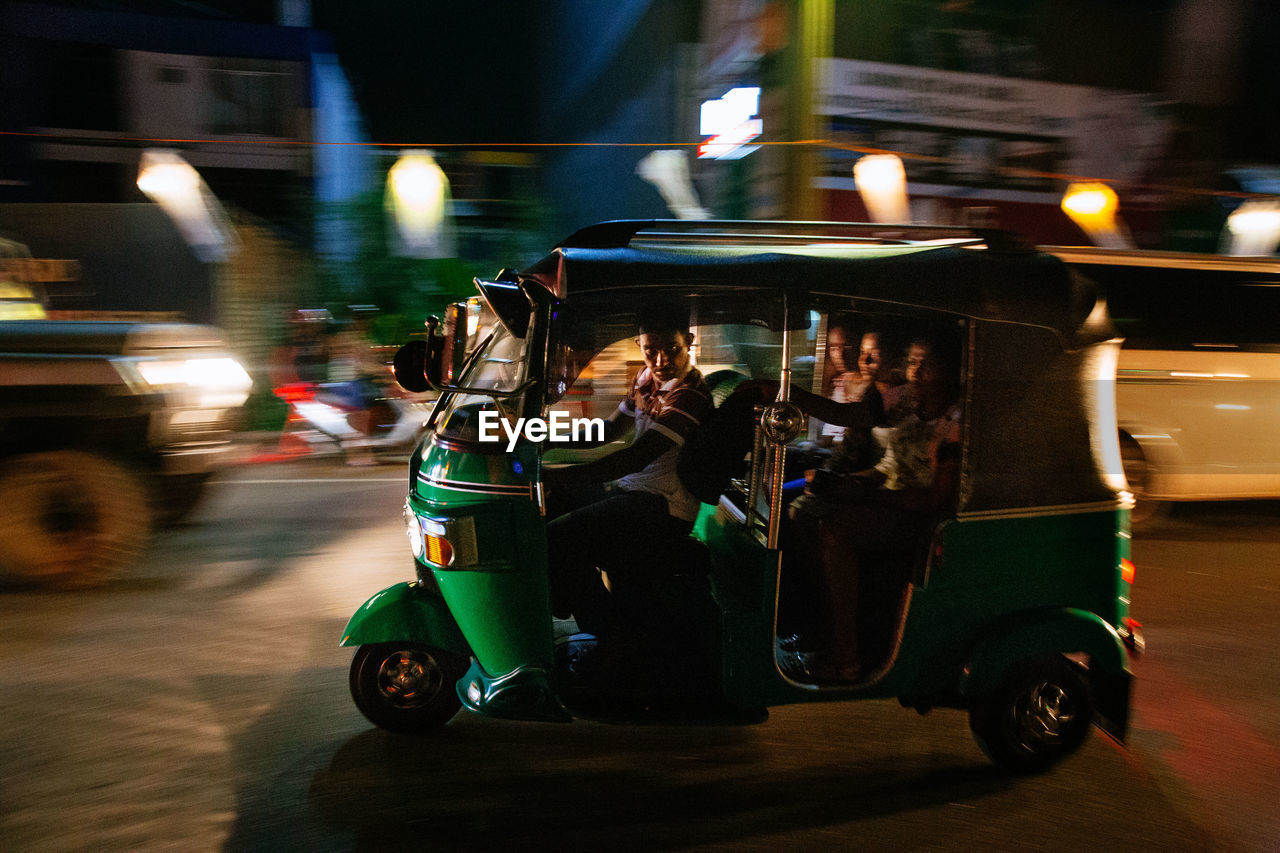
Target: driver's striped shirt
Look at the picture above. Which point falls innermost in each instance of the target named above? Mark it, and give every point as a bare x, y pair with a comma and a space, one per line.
675, 409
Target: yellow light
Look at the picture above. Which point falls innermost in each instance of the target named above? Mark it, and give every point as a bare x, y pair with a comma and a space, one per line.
418, 194
417, 180
1093, 206
1097, 199
21, 311
882, 182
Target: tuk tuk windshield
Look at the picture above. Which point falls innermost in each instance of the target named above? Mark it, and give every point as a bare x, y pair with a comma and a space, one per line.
500, 364
595, 325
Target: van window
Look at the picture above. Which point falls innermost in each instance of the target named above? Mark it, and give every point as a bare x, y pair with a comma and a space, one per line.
1162, 308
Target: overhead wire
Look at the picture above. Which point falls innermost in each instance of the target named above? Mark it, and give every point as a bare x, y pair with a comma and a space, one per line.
1012, 171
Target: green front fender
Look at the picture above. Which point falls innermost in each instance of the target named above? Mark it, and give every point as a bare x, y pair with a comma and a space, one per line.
406, 612
1055, 632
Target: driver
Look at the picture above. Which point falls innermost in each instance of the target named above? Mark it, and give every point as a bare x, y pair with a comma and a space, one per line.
604, 510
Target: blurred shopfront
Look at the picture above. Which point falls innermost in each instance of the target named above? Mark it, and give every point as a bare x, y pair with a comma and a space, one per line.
993, 107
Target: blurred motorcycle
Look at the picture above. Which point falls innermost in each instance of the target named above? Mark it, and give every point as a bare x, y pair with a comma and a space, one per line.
330, 417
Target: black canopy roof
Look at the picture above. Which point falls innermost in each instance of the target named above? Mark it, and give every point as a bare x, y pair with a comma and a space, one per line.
964, 277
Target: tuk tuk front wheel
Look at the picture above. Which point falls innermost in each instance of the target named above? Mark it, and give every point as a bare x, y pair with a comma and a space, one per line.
404, 687
1040, 714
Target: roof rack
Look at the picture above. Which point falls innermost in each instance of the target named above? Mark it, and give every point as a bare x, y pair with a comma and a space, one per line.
620, 234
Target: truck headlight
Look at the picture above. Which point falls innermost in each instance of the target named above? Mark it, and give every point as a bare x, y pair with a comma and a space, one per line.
218, 382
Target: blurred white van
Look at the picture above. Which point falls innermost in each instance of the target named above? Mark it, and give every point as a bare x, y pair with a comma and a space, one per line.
1198, 384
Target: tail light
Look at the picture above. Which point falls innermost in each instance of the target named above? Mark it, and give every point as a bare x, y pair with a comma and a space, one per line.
296, 392
1131, 633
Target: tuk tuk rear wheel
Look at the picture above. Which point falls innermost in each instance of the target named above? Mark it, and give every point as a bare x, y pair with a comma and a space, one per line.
1040, 715
405, 687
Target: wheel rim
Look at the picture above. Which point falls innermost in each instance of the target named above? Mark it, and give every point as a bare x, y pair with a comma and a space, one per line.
1043, 716
409, 678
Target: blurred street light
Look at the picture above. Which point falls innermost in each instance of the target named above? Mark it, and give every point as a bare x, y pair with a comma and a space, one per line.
668, 170
1253, 228
418, 202
171, 182
1092, 206
882, 183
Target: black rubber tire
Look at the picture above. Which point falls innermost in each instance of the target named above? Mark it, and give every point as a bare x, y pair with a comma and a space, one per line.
178, 495
71, 518
1137, 471
1039, 715
406, 687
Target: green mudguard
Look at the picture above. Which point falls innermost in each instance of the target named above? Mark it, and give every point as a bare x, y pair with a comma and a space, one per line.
406, 612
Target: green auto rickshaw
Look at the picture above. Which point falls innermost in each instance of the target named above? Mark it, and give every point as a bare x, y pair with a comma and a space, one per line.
1014, 606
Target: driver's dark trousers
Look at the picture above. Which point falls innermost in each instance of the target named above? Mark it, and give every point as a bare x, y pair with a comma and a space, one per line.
600, 528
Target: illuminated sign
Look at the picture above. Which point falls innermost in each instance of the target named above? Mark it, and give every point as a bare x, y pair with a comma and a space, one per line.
731, 123
39, 269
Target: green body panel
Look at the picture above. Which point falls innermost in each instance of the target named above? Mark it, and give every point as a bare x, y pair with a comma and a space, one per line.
1005, 589
405, 611
744, 581
1039, 634
524, 693
1001, 573
502, 604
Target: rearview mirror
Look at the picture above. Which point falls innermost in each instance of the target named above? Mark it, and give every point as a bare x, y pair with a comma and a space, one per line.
434, 363
410, 367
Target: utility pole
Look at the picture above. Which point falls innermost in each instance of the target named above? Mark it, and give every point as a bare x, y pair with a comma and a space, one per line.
812, 28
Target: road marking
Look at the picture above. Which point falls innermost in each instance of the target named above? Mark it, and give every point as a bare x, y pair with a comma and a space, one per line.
321, 480
1205, 574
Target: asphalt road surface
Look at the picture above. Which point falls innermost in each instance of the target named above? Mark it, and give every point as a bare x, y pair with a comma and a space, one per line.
201, 704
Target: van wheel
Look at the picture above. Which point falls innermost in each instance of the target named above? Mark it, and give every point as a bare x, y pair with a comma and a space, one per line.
1040, 715
1138, 473
404, 687
71, 518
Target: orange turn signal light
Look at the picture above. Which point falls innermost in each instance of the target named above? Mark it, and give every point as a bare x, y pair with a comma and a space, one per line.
439, 551
1127, 570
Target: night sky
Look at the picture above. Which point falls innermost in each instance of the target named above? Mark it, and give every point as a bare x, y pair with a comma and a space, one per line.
437, 72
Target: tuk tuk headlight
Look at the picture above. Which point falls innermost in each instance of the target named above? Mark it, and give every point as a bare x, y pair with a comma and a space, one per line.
435, 543
448, 543
413, 529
